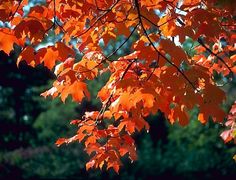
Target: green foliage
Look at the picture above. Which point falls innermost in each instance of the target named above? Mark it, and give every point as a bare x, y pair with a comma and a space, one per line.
51, 122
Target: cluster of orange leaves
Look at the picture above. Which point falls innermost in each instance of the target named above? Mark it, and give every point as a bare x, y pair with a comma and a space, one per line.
152, 77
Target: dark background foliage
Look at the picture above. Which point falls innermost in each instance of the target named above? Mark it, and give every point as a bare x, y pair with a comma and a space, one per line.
30, 125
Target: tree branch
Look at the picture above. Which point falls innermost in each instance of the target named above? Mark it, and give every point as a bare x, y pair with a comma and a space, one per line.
159, 53
126, 40
99, 18
114, 52
126, 69
218, 57
12, 15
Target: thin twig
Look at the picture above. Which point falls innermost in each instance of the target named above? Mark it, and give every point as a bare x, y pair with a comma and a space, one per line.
125, 41
218, 57
12, 15
154, 68
113, 53
98, 19
126, 69
150, 21
99, 9
163, 56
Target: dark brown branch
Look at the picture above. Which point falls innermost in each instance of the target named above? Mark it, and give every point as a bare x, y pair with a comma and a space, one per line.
126, 69
157, 65
99, 9
114, 52
89, 70
157, 26
144, 17
218, 57
159, 53
108, 102
54, 17
168, 21
12, 15
98, 19
125, 41
151, 74
103, 109
54, 20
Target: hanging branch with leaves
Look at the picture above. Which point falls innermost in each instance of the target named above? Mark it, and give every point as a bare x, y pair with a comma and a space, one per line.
157, 74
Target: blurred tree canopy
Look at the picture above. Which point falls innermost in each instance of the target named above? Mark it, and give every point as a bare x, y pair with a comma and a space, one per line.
30, 125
